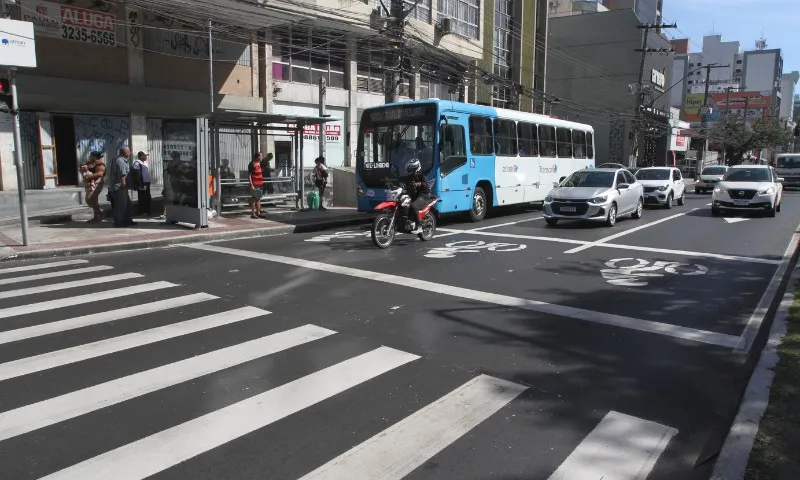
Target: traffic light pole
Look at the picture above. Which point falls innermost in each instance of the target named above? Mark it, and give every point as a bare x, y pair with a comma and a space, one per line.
23, 209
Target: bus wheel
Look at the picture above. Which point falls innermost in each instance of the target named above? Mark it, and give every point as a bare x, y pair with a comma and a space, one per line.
478, 210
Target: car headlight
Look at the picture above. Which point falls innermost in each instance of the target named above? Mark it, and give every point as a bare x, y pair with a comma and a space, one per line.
719, 190
548, 198
663, 188
598, 200
767, 191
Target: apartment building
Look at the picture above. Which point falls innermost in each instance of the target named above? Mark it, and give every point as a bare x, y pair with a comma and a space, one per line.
136, 73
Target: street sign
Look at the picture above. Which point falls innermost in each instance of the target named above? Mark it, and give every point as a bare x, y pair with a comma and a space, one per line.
17, 47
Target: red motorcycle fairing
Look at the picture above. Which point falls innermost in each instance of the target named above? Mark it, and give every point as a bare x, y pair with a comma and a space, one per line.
386, 204
421, 214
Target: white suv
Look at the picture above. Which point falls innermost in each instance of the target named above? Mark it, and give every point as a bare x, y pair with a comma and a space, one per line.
662, 186
709, 178
748, 188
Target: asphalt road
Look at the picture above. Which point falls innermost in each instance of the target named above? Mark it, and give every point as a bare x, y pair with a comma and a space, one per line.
502, 350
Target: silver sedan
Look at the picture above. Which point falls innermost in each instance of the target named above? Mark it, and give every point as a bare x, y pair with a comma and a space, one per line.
601, 194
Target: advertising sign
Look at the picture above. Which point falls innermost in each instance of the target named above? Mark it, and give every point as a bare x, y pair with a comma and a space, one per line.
17, 48
71, 23
334, 133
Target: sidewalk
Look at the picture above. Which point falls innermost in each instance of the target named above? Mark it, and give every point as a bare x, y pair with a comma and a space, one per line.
61, 234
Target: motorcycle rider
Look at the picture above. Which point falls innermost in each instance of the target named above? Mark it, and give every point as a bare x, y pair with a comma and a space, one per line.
419, 191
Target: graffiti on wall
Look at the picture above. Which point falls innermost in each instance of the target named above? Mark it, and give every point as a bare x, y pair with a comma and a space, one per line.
102, 134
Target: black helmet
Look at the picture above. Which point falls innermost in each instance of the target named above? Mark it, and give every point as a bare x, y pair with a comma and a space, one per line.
413, 166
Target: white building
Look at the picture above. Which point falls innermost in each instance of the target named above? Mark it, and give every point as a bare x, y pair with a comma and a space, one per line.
762, 72
689, 66
788, 84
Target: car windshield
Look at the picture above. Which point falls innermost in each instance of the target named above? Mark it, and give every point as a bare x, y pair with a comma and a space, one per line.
590, 179
789, 162
748, 175
713, 171
654, 174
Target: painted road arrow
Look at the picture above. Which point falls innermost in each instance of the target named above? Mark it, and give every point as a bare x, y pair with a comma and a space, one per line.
736, 219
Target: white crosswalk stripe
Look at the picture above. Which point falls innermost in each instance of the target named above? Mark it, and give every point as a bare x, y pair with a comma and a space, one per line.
388, 455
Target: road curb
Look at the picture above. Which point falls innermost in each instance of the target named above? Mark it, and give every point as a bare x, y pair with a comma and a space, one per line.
10, 254
734, 456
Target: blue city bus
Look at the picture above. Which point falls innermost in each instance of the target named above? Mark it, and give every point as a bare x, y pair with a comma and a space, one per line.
475, 157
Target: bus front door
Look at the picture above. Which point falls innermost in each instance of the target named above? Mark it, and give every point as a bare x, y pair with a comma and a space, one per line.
454, 168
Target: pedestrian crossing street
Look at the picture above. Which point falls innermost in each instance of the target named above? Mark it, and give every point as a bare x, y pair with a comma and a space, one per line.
69, 331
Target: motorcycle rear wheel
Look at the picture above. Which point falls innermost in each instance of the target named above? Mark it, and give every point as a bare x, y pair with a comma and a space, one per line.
382, 236
428, 225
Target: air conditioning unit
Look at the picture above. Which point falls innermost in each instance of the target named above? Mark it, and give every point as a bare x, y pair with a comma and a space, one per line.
447, 26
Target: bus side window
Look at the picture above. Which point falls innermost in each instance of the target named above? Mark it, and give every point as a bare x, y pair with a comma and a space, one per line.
480, 136
564, 142
579, 144
505, 136
528, 135
589, 145
547, 140
454, 149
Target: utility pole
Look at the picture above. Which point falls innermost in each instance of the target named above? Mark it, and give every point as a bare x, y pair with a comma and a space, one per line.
640, 94
395, 29
704, 118
322, 113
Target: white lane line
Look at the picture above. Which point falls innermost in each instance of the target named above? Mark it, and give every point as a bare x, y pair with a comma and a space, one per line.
41, 266
709, 204
506, 224
79, 353
620, 447
622, 247
101, 317
160, 451
75, 284
81, 299
397, 451
750, 332
58, 409
648, 326
45, 276
514, 235
629, 231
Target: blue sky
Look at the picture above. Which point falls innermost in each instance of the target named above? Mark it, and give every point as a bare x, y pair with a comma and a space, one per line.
740, 20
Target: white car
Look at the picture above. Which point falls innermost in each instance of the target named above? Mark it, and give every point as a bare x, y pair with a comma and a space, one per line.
751, 188
662, 186
596, 194
709, 178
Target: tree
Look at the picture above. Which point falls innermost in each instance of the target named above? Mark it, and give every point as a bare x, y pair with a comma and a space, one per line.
740, 139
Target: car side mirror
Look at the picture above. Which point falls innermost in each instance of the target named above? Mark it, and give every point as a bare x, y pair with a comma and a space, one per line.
555, 184
623, 186
781, 180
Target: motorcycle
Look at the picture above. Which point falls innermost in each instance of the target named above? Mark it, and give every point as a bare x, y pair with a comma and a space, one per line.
393, 221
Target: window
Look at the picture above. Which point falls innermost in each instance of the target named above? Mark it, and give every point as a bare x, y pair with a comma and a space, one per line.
464, 15
547, 140
620, 178
505, 136
480, 136
564, 142
676, 175
454, 148
579, 144
302, 55
629, 178
422, 12
528, 139
589, 145
370, 61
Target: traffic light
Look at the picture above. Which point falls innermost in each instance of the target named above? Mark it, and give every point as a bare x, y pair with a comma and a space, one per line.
6, 100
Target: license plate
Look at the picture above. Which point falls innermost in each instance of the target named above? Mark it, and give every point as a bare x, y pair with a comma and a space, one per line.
741, 202
567, 209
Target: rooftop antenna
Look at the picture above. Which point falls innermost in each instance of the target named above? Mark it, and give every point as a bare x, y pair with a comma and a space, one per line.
761, 43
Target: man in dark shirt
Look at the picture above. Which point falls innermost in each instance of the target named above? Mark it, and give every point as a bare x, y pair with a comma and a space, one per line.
256, 183
266, 172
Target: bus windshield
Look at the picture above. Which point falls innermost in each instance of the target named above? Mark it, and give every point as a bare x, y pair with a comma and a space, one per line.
390, 137
788, 162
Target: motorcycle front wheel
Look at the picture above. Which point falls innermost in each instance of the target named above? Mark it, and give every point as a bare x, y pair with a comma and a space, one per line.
382, 235
428, 225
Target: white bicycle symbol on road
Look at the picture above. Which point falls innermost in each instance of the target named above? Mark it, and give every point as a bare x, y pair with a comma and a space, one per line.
349, 235
633, 272
470, 246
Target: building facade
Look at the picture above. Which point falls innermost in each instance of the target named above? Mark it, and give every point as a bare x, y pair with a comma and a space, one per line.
117, 73
593, 67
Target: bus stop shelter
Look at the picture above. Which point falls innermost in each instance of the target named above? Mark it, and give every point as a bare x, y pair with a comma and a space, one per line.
214, 176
